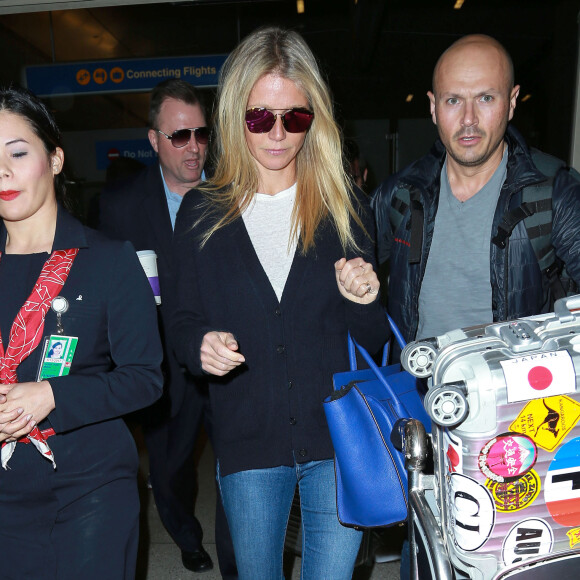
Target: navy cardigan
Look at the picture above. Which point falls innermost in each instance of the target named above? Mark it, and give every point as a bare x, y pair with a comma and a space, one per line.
268, 412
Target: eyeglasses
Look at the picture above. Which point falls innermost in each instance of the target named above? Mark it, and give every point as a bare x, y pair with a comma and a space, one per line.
182, 137
261, 120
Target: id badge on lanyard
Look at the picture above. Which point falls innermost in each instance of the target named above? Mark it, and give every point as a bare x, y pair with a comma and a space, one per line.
57, 349
57, 355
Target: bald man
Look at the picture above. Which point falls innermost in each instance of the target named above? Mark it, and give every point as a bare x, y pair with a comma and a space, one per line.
451, 225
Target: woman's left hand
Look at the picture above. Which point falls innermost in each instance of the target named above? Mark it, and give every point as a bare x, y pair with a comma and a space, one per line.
36, 399
357, 280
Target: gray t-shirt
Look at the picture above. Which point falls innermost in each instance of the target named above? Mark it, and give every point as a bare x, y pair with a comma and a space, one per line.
456, 289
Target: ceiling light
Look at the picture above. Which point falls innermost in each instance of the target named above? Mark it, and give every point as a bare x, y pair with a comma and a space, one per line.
300, 6
458, 4
526, 98
409, 98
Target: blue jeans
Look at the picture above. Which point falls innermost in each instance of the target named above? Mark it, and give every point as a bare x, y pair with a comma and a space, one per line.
257, 504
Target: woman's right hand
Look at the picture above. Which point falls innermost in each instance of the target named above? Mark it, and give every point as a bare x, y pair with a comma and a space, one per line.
14, 423
219, 353
17, 427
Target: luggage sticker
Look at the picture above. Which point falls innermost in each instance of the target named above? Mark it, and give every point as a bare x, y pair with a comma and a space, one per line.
472, 514
574, 536
454, 453
507, 457
562, 485
547, 421
539, 375
527, 539
513, 496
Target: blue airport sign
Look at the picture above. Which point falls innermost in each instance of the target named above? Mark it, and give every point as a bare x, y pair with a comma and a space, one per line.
139, 149
121, 76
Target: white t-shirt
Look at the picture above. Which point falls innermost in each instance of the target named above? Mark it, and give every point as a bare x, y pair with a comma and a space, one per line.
268, 222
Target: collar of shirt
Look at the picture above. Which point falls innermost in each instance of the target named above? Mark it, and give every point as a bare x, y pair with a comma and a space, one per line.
173, 199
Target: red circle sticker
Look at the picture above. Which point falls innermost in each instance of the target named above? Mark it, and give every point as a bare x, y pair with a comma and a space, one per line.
540, 378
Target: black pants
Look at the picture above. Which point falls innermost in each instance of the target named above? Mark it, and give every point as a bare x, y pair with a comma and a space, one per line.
170, 446
92, 538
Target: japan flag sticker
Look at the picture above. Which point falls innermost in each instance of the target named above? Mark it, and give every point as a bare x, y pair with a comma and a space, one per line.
539, 375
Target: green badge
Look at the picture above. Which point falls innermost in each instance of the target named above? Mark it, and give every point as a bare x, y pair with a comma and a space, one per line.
57, 356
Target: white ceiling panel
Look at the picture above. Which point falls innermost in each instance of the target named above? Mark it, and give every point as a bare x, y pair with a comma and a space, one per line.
17, 6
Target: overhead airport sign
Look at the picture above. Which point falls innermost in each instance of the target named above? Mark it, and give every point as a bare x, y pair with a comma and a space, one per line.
121, 76
139, 149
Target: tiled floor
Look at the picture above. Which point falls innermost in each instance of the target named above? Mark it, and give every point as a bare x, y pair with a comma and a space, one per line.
160, 559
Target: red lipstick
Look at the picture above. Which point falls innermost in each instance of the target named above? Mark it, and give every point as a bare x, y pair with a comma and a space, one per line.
9, 195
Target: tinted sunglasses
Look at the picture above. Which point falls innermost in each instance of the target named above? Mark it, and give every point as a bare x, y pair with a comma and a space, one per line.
182, 137
260, 120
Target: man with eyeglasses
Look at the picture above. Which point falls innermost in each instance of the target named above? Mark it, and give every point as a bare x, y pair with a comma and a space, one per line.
142, 209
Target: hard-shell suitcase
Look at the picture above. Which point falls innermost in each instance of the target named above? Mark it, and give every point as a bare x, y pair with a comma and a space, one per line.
505, 403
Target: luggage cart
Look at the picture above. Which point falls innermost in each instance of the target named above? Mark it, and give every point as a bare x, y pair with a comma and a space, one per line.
503, 501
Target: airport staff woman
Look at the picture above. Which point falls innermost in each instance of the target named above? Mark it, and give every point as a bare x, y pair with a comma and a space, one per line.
277, 264
68, 496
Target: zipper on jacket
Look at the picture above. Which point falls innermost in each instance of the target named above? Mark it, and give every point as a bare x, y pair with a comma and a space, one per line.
506, 279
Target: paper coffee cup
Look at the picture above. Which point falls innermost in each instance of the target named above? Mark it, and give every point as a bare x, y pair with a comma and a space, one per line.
148, 259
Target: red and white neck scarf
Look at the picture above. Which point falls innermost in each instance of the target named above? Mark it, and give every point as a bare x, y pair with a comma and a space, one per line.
26, 334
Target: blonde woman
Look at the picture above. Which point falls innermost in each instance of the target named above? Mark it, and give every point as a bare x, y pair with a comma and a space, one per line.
276, 266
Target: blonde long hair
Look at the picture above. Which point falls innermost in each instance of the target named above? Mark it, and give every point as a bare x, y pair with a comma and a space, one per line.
323, 187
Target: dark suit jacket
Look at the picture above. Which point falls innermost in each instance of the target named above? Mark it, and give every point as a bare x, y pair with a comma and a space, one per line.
135, 209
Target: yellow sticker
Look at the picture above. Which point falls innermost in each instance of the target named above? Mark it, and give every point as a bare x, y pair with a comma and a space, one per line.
513, 496
574, 535
547, 421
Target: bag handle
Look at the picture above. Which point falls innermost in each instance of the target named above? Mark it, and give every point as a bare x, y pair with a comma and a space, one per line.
400, 340
397, 334
398, 405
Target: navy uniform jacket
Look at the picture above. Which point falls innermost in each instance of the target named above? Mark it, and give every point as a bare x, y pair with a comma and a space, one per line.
136, 209
115, 370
